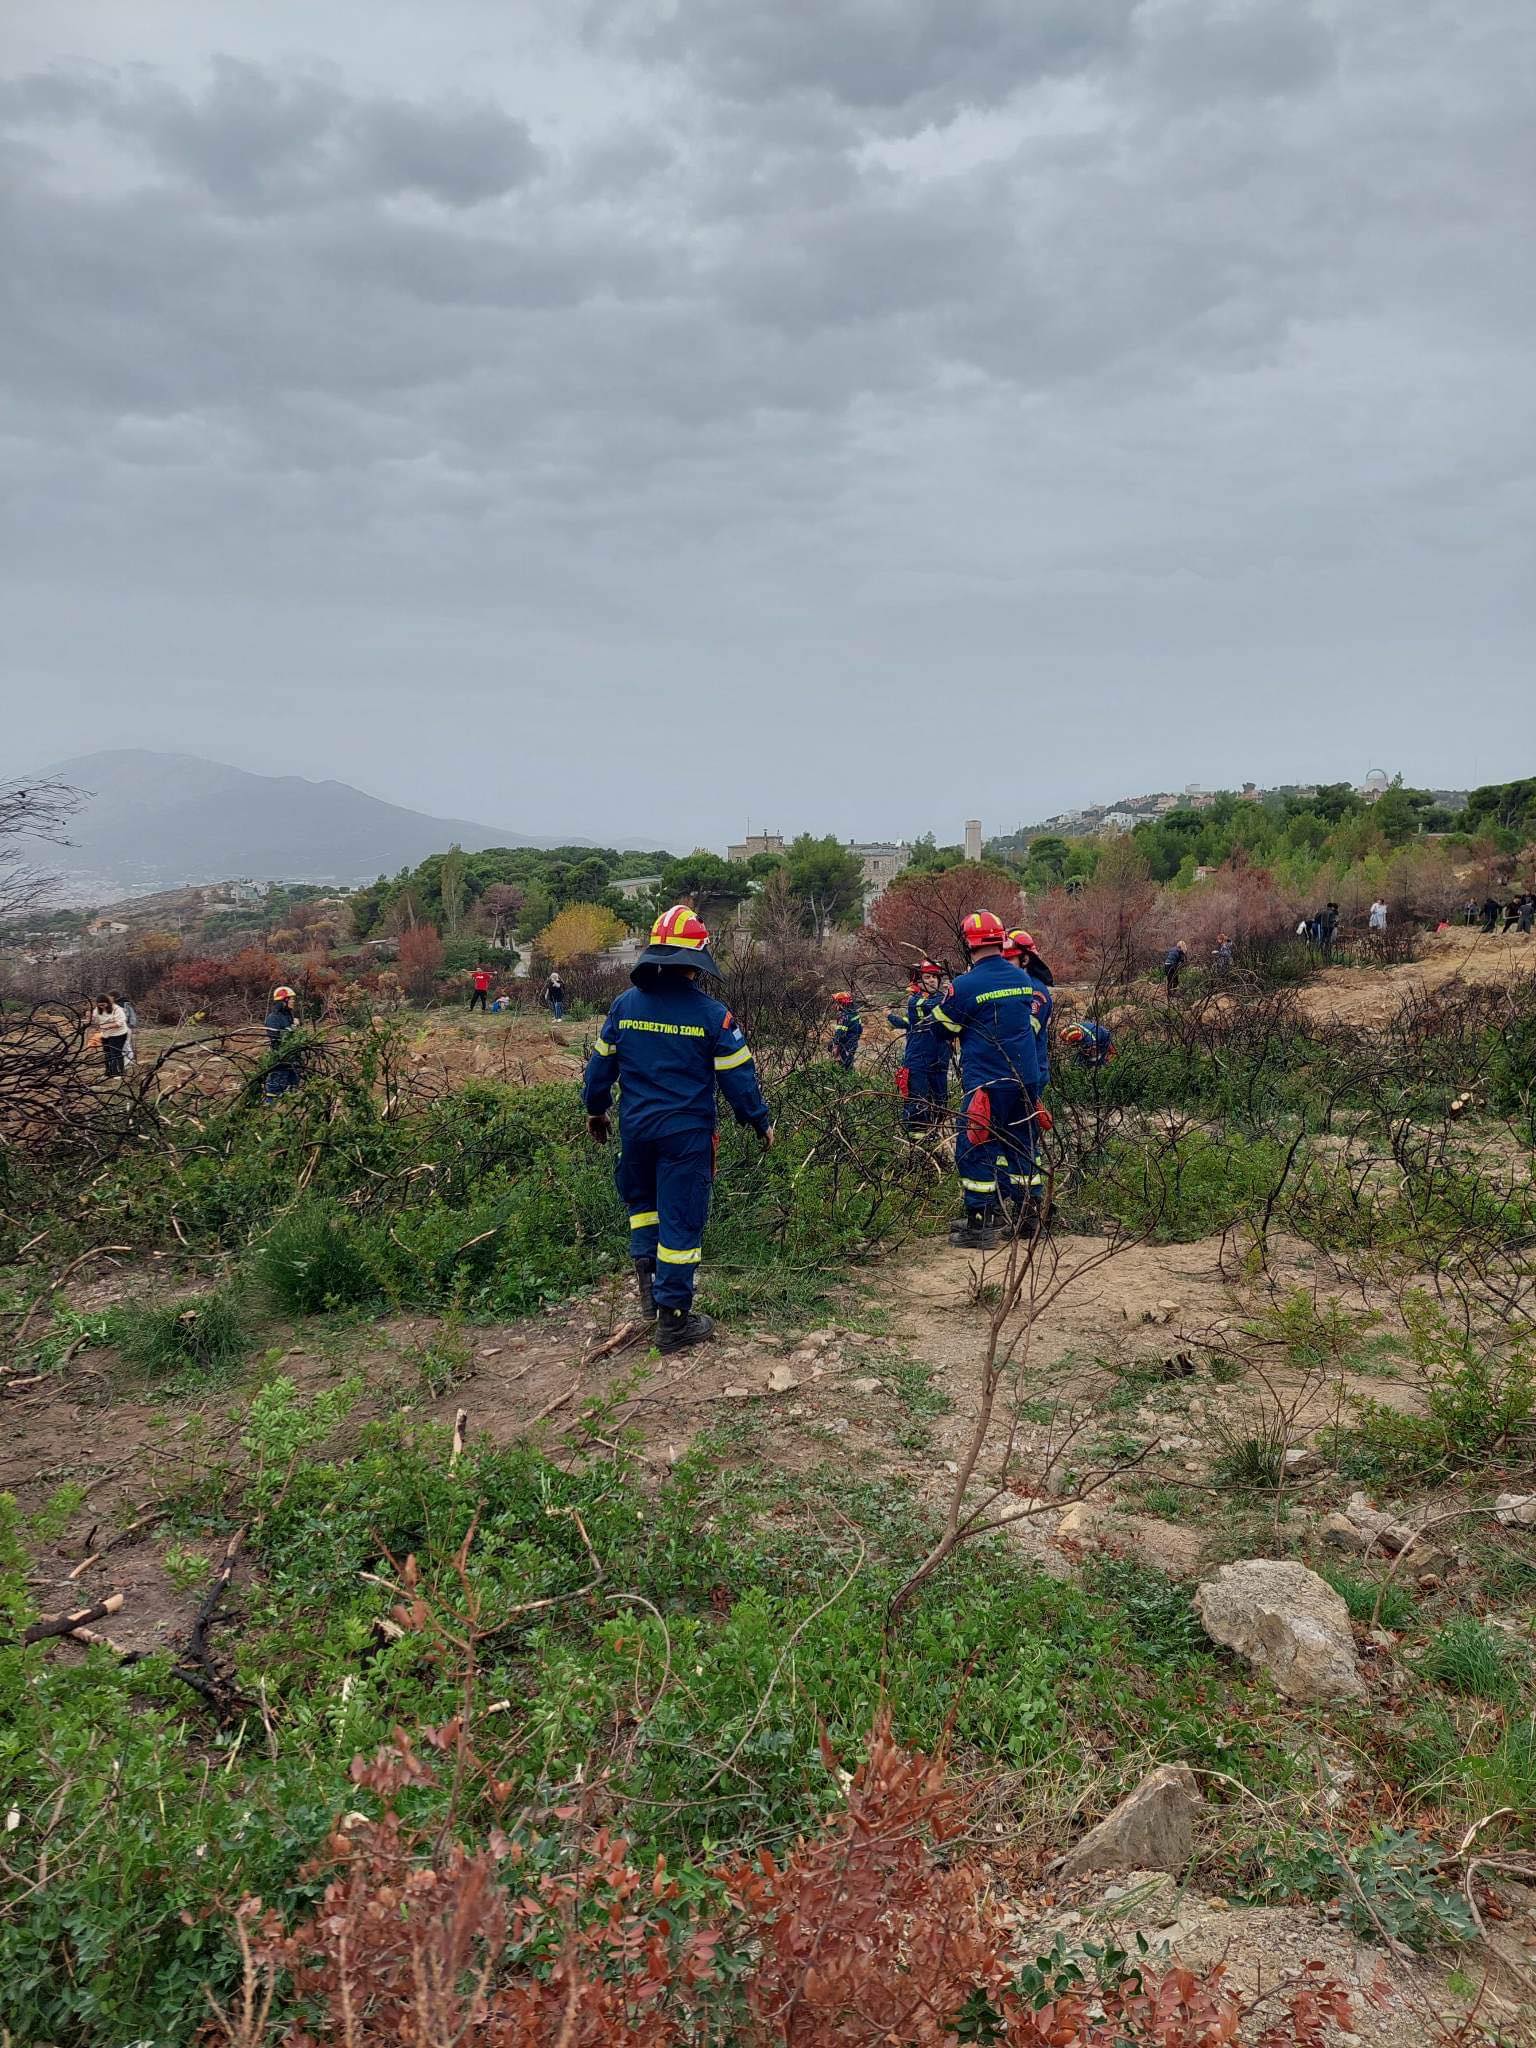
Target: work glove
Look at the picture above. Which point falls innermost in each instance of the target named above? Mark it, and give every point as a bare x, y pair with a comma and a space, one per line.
767, 1137
597, 1128
1047, 1121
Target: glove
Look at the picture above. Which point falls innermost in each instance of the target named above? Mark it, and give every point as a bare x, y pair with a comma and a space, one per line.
767, 1137
1046, 1120
597, 1128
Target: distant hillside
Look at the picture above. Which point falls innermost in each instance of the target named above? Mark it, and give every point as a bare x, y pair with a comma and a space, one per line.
154, 821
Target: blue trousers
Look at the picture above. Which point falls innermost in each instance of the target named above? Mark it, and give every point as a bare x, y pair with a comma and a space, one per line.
664, 1184
995, 1145
925, 1098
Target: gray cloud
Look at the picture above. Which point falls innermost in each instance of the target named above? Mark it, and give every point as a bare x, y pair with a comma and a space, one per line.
761, 371
920, 60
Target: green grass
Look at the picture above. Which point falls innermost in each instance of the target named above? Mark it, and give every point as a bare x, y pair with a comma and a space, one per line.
1471, 1659
200, 1341
1398, 1607
680, 1691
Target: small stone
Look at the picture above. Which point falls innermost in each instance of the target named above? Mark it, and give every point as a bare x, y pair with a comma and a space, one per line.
1152, 1829
491, 1351
1300, 1460
737, 1393
865, 1387
1516, 1510
838, 1426
797, 1411
781, 1380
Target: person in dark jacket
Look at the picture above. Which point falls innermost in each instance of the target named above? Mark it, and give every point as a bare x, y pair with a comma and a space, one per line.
923, 1077
990, 1011
667, 1045
1173, 962
554, 995
1019, 947
283, 1074
847, 1031
1029, 959
1527, 918
1491, 909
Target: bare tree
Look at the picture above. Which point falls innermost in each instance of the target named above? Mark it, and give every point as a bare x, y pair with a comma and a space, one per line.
31, 811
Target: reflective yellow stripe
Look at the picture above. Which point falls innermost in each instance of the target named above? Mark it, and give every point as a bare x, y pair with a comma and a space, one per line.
669, 1257
733, 1059
975, 1187
642, 1218
602, 1046
939, 1017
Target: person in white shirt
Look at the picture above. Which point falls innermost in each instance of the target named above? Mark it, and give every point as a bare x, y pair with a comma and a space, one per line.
111, 1027
1379, 915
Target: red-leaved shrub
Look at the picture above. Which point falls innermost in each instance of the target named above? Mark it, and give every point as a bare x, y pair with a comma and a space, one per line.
879, 1929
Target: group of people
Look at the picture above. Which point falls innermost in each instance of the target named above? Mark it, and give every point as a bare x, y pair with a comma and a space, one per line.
668, 1046
480, 998
1518, 914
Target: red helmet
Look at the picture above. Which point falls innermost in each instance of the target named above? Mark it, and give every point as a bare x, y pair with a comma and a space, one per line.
680, 926
282, 994
981, 928
842, 996
928, 967
1017, 944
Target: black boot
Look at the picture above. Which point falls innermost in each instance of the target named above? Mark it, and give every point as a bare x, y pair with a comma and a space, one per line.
677, 1328
645, 1280
976, 1231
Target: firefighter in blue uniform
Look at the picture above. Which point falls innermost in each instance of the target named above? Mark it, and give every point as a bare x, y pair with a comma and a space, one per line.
1019, 947
668, 1045
990, 1010
1092, 1044
923, 1077
847, 1031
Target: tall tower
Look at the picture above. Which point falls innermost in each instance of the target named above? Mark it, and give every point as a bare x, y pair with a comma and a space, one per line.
973, 839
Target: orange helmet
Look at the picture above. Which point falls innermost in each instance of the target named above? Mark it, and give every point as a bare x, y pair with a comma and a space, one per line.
679, 938
842, 996
1017, 944
680, 926
981, 928
282, 995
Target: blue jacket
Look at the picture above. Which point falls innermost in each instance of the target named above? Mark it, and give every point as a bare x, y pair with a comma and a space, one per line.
1092, 1042
668, 1047
991, 1010
1042, 1002
848, 1030
922, 1049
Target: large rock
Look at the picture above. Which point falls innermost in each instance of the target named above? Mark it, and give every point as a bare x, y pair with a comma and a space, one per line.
1154, 1829
1162, 1545
1516, 1510
1288, 1622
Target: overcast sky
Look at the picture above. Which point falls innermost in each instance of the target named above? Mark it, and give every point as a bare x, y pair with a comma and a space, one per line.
647, 415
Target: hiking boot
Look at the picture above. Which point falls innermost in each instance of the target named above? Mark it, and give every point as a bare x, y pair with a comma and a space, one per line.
645, 1280
976, 1231
677, 1328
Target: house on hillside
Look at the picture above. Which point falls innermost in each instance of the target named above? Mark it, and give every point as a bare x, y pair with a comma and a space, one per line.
882, 861
754, 844
636, 885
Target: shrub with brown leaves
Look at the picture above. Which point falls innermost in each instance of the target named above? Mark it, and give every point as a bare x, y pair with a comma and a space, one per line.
876, 1931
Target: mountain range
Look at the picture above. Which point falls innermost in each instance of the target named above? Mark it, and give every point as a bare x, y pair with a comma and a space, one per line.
154, 821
